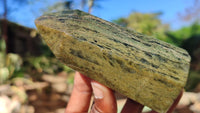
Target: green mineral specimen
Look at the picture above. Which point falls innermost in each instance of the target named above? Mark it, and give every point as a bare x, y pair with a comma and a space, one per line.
140, 67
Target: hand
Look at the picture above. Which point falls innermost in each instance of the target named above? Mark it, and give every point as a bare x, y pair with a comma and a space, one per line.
104, 99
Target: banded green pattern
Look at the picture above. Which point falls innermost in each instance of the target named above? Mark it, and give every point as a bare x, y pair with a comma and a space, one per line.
143, 68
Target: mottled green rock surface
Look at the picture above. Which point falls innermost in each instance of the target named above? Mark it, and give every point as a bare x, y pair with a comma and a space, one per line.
140, 67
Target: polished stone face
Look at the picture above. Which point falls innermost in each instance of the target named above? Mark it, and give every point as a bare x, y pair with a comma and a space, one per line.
140, 67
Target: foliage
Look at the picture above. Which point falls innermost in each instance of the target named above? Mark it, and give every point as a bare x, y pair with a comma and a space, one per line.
192, 45
2, 45
193, 80
43, 64
177, 37
147, 23
13, 66
9, 65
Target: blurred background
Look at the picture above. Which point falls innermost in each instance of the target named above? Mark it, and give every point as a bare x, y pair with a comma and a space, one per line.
32, 80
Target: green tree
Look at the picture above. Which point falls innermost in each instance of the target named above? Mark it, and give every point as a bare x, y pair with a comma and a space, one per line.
147, 23
179, 36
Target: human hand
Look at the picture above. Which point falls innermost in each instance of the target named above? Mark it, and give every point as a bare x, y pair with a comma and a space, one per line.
104, 99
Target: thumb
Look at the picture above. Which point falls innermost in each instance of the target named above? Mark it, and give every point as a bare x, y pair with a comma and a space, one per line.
104, 99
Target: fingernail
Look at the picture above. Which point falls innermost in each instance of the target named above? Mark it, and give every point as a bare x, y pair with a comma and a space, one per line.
98, 93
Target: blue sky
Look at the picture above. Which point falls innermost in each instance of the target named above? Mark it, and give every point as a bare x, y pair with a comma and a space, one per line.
113, 9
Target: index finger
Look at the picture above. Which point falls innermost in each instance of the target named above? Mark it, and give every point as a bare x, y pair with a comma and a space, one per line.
80, 98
